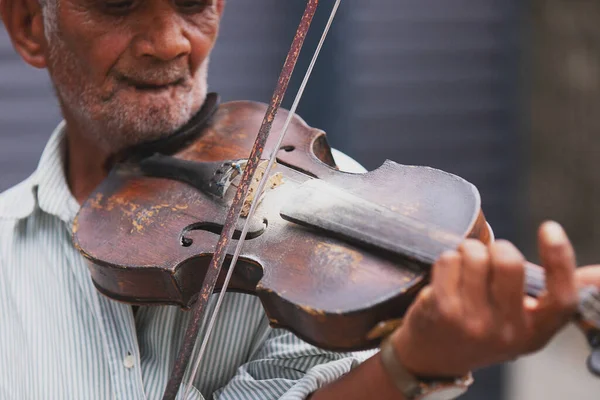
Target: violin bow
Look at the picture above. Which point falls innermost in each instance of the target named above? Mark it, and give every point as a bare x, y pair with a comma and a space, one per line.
233, 214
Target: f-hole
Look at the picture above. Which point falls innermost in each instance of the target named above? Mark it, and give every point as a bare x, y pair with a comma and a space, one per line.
217, 229
287, 149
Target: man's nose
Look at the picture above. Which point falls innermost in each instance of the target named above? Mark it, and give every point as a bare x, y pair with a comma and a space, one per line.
163, 37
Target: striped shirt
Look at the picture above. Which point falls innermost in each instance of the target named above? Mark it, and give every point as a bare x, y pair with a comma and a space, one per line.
61, 339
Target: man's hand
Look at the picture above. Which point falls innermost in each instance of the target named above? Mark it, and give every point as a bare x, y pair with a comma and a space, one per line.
474, 313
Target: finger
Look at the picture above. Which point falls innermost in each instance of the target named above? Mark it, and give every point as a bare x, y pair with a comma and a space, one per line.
445, 295
423, 311
507, 284
558, 260
555, 307
507, 277
589, 275
475, 276
445, 276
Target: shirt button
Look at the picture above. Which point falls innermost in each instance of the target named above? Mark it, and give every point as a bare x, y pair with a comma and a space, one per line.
129, 361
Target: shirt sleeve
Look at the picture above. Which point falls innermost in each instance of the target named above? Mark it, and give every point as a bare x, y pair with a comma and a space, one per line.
287, 368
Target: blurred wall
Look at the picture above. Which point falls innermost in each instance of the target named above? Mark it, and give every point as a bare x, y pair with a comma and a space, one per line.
562, 71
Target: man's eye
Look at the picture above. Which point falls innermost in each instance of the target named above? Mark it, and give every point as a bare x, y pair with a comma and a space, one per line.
193, 6
119, 6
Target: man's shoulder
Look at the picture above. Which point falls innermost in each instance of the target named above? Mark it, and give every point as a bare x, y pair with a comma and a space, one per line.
18, 201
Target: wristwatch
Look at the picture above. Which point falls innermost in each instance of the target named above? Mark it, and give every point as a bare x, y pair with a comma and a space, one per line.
414, 389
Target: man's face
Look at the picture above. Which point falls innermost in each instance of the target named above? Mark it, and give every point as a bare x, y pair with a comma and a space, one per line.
128, 71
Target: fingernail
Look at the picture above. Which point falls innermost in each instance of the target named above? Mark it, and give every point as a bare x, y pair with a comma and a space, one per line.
554, 233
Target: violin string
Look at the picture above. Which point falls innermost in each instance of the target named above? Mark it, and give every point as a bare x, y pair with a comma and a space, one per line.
535, 280
254, 204
589, 305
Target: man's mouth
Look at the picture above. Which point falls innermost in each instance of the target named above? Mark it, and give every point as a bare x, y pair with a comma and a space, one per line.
152, 86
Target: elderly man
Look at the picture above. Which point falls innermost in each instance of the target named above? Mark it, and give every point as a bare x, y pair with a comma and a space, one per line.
129, 71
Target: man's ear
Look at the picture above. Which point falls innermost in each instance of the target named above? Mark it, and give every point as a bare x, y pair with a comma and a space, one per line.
25, 25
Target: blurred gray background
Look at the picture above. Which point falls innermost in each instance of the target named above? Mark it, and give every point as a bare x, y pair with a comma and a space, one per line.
503, 93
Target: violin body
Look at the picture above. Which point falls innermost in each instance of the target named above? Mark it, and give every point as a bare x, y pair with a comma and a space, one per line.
149, 239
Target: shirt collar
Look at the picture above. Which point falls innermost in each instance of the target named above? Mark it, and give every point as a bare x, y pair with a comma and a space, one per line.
47, 186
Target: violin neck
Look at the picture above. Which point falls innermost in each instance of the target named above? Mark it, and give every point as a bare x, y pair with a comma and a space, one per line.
535, 280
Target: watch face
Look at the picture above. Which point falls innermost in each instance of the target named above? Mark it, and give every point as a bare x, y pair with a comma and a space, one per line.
445, 393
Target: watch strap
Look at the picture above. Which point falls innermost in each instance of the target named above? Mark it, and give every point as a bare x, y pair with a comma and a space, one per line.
408, 385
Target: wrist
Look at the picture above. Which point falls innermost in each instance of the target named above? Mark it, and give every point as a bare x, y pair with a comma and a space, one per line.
415, 388
423, 361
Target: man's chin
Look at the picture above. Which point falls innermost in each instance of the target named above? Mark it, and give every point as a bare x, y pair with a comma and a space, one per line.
127, 121
148, 117
124, 133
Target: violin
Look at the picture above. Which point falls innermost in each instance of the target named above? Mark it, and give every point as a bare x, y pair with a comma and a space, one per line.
330, 254
335, 257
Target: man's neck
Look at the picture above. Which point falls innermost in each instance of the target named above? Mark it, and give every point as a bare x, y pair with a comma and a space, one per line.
85, 164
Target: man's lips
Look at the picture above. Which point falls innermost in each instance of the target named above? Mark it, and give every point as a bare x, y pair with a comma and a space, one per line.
151, 85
